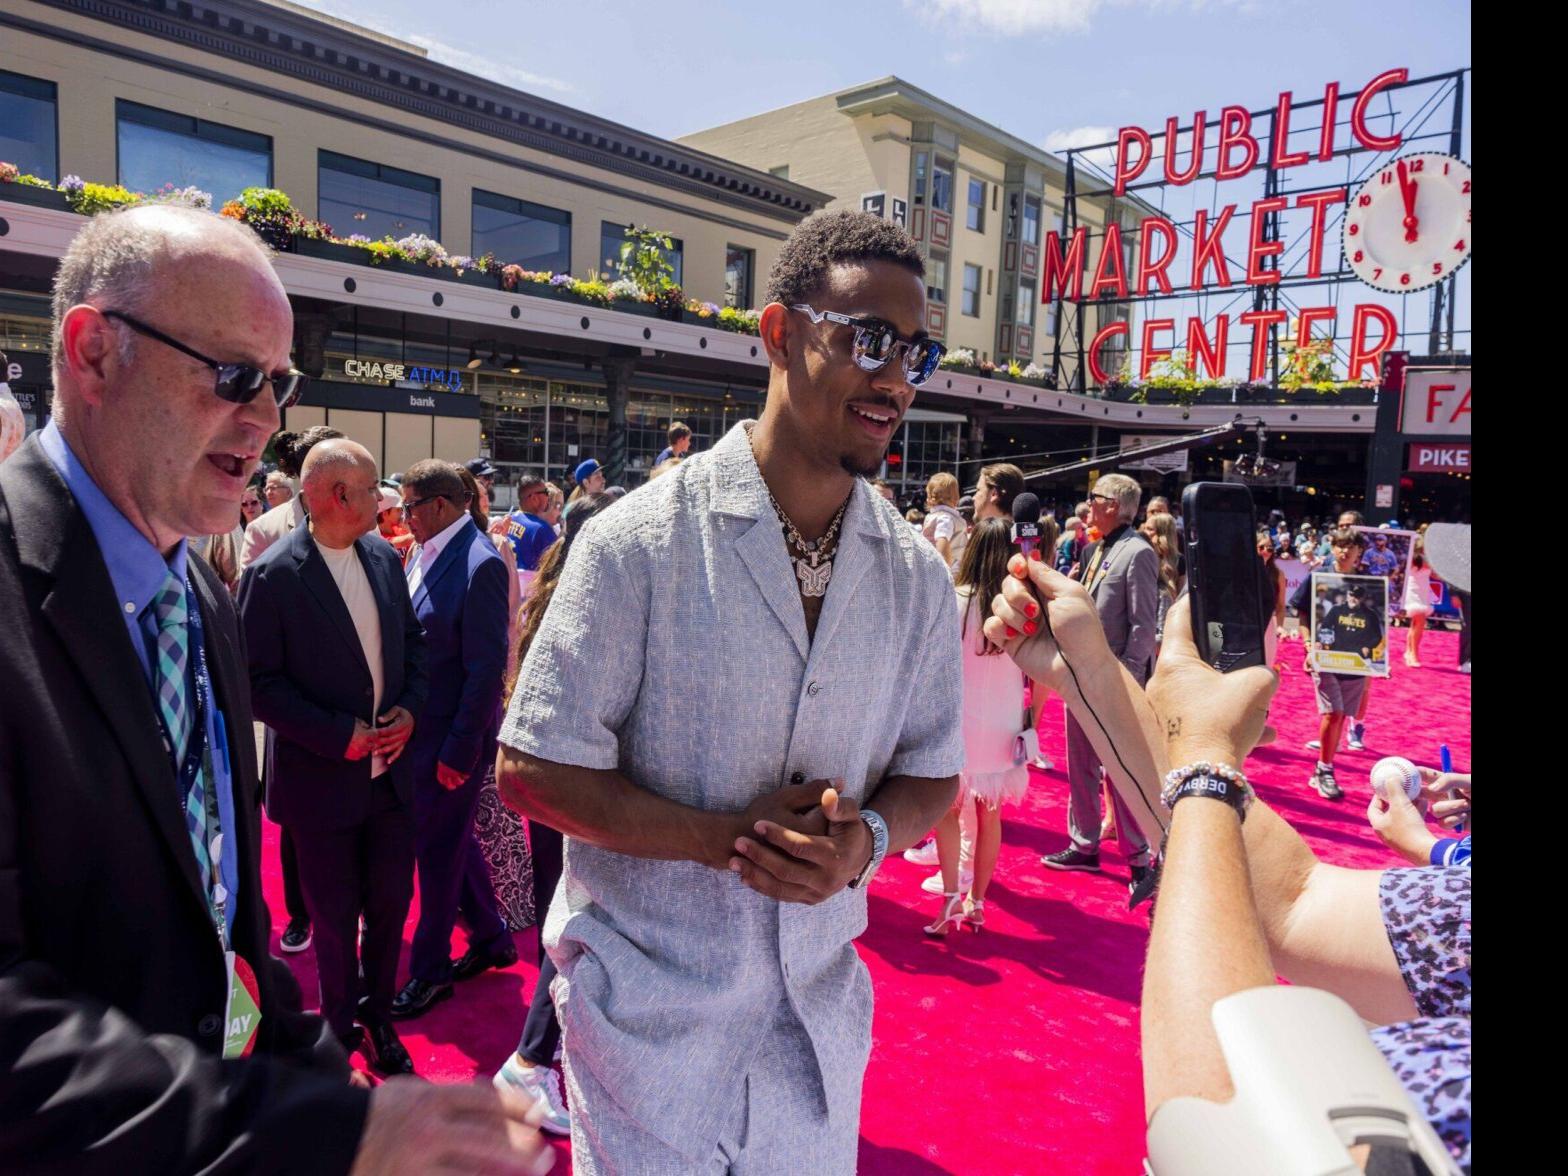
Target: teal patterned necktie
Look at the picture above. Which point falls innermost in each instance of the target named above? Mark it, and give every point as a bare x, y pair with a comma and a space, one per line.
175, 706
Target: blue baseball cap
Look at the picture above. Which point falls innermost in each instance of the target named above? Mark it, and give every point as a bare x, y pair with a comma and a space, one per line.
585, 471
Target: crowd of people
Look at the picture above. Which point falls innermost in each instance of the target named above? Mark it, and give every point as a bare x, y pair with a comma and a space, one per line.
498, 707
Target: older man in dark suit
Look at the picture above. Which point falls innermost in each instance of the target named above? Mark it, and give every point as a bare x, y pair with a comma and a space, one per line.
337, 671
1122, 574
460, 592
143, 1025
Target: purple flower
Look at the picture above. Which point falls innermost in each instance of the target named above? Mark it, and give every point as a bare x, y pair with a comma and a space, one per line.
560, 279
72, 183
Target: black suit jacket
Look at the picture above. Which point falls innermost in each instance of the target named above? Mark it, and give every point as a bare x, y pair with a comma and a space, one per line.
309, 680
112, 981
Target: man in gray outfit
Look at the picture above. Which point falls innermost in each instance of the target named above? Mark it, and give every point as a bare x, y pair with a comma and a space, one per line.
1122, 575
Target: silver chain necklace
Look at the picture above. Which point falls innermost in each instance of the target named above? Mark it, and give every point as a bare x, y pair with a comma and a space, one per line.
814, 564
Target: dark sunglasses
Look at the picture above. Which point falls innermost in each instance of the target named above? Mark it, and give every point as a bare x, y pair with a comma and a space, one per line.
410, 507
876, 342
237, 383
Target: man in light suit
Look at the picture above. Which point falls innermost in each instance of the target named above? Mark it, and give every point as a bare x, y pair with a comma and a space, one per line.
1121, 572
337, 672
459, 587
129, 841
272, 527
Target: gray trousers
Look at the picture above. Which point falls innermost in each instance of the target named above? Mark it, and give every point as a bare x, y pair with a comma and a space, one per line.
780, 1126
1084, 808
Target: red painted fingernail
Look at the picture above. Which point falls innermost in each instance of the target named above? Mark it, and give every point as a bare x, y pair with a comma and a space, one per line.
1035, 555
1011, 634
1030, 627
1031, 608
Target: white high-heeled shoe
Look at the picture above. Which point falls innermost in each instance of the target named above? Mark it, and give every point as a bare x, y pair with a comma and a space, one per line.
974, 912
952, 913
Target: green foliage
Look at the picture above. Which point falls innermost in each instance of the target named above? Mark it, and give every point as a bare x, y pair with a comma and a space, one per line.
645, 260
268, 202
91, 199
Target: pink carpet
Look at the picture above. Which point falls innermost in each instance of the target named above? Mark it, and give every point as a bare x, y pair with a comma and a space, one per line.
1016, 1049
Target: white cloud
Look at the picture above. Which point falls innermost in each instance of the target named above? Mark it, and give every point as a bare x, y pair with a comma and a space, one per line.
463, 59
1060, 141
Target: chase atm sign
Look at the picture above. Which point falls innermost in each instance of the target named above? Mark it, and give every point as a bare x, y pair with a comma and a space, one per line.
451, 379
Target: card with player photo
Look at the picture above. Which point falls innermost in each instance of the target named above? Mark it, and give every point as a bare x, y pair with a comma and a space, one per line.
1349, 624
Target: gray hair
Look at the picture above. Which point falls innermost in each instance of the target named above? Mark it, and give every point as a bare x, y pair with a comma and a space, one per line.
113, 261
1125, 490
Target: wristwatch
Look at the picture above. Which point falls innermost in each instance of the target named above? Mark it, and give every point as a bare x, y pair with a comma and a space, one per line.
878, 828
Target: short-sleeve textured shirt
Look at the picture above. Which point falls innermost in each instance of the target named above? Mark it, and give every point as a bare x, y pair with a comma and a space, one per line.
675, 650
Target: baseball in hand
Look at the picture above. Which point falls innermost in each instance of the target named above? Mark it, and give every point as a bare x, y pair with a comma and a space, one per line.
1395, 772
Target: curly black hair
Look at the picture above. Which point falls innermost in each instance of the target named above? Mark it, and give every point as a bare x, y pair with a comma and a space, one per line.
291, 448
828, 238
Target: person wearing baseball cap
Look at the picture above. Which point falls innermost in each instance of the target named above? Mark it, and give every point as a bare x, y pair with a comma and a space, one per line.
589, 477
389, 521
484, 473
529, 533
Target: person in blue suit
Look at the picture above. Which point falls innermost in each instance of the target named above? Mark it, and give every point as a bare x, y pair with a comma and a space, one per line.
458, 585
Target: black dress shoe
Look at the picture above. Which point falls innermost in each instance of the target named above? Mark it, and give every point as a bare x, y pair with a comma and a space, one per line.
475, 961
352, 1040
1142, 884
417, 997
385, 1051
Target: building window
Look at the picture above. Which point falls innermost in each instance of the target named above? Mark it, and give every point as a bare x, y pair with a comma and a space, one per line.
1031, 221
517, 232
357, 196
1050, 319
921, 159
936, 279
739, 264
942, 187
159, 147
971, 304
974, 217
28, 135
613, 236
1026, 297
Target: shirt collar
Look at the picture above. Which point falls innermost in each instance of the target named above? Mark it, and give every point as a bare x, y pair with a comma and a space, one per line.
431, 550
136, 567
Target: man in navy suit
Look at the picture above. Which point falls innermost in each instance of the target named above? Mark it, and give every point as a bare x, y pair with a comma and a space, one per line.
459, 589
337, 671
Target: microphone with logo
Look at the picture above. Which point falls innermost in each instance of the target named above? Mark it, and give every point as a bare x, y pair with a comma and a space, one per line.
1026, 523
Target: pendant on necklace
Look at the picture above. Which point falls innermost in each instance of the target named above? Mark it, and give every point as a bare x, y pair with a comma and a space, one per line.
813, 578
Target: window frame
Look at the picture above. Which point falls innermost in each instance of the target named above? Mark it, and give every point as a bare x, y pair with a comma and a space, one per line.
1026, 286
382, 172
679, 250
53, 100
974, 210
522, 208
963, 301
163, 120
748, 295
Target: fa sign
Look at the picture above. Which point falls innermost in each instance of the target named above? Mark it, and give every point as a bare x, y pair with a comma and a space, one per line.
1436, 404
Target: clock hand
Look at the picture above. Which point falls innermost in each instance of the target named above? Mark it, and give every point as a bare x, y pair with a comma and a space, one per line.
1407, 189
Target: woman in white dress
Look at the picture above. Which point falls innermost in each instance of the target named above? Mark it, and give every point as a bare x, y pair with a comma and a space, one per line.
1418, 601
993, 715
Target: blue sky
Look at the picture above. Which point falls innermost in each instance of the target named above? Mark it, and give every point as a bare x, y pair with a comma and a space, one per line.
1053, 72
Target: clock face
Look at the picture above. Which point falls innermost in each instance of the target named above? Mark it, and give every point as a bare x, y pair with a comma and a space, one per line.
1408, 226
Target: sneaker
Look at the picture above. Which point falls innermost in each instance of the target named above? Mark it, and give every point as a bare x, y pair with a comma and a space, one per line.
1323, 780
1072, 859
1357, 730
1314, 745
1044, 762
296, 936
933, 884
542, 1086
923, 854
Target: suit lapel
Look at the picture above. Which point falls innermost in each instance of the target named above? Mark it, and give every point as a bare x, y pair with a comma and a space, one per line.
456, 552
313, 572
54, 537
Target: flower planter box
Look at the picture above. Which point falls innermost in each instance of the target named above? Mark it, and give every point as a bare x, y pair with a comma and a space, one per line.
37, 197
626, 306
698, 320
473, 277
331, 251
417, 268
